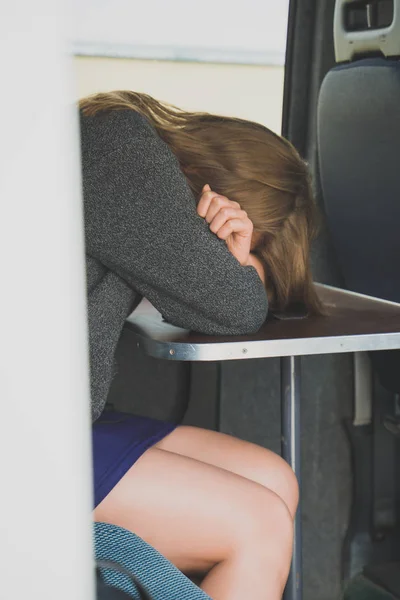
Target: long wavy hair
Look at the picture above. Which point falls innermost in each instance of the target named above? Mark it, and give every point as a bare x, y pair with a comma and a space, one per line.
250, 164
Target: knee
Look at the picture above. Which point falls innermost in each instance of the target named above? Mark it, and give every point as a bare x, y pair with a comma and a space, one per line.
271, 517
267, 522
288, 487
277, 475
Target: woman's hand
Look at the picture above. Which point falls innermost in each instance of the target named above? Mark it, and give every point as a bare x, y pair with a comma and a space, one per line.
228, 221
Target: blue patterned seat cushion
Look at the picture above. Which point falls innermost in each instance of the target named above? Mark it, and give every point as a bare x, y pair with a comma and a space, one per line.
160, 577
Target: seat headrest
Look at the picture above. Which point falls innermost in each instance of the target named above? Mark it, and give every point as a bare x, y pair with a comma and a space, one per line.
366, 27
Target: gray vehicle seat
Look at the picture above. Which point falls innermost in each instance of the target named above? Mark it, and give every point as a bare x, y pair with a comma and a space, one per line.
359, 153
359, 166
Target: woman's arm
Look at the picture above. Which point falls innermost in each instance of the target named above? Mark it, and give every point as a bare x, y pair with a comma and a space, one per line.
141, 222
255, 262
230, 223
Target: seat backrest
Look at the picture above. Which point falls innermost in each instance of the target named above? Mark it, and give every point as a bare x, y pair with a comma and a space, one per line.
359, 146
161, 579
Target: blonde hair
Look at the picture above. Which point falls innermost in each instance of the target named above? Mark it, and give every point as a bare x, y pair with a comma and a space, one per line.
250, 164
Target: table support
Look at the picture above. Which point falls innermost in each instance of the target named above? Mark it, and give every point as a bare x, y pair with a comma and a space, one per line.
290, 407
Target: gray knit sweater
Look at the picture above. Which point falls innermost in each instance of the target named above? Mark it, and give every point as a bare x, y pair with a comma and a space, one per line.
144, 238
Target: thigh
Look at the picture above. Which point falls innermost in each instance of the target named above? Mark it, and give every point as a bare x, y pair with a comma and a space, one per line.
237, 456
192, 512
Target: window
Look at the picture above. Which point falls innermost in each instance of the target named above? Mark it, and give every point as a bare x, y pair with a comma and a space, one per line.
215, 56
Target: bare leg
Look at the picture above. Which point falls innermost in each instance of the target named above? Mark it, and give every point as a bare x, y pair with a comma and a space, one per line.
205, 519
234, 455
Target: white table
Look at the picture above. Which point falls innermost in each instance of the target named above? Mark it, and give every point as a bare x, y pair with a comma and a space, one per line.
354, 323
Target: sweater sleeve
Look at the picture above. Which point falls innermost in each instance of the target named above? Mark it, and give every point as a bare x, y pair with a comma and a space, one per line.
141, 222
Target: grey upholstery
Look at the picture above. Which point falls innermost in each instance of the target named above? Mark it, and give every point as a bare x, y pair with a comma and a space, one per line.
359, 153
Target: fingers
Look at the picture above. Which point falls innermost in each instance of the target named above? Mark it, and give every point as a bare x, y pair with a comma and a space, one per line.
228, 221
224, 216
230, 214
237, 226
211, 203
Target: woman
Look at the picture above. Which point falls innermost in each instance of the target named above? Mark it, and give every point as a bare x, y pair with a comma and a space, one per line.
205, 216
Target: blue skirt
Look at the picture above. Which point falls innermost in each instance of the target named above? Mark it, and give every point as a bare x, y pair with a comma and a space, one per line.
118, 440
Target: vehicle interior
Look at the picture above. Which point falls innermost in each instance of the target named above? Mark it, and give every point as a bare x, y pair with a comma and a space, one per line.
341, 110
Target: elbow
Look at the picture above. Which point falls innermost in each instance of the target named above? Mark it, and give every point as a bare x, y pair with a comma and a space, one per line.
250, 308
257, 318
246, 316
251, 319
240, 312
